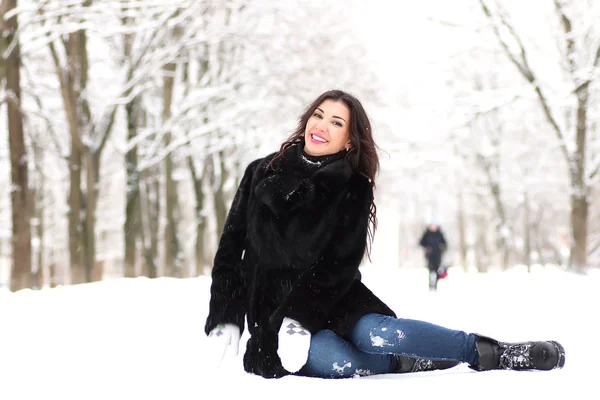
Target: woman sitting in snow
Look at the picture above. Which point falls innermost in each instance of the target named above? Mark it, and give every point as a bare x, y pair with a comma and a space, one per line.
288, 261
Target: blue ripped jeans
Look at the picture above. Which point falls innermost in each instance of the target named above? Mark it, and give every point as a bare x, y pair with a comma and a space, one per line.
376, 338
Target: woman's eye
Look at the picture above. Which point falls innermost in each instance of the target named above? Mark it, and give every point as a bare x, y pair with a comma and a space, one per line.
337, 124
317, 115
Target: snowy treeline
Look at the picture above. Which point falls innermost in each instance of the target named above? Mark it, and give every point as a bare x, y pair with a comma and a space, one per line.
506, 138
140, 115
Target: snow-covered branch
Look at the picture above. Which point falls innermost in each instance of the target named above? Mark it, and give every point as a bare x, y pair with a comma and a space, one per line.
522, 65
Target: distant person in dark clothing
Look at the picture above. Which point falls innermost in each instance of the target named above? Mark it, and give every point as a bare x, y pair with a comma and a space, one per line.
434, 245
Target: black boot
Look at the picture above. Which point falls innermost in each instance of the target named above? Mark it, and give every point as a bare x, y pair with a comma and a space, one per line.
413, 364
545, 355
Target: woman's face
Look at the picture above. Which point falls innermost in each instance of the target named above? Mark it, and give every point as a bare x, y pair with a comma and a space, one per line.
328, 129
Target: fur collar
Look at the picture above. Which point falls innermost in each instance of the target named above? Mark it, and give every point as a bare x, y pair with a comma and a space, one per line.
297, 177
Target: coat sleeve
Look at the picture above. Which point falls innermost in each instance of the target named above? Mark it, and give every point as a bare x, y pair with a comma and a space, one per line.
321, 287
423, 241
443, 243
228, 288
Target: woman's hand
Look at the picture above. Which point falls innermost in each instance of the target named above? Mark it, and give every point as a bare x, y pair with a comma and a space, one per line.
223, 336
294, 343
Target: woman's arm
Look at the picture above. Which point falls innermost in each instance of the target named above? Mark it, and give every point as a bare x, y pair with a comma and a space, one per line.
320, 288
228, 288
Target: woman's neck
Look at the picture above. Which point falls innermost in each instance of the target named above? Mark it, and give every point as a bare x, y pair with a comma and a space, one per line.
317, 161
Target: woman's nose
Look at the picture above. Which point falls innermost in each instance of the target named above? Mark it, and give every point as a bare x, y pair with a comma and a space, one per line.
321, 126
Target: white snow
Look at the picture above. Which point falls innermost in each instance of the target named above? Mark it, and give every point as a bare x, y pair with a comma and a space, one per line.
378, 341
400, 334
340, 370
143, 339
309, 161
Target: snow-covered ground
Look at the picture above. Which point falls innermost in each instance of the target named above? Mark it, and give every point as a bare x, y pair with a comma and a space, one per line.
144, 339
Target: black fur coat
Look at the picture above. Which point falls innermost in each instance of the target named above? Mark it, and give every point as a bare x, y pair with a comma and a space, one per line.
291, 247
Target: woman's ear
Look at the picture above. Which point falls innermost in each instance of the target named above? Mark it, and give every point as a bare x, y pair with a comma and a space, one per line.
348, 145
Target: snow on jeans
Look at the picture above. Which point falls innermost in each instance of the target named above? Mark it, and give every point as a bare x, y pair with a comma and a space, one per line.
375, 339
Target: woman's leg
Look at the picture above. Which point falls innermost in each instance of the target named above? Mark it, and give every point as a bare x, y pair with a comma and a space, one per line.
380, 334
330, 356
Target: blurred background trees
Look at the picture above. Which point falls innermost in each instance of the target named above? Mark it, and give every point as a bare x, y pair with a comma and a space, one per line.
126, 125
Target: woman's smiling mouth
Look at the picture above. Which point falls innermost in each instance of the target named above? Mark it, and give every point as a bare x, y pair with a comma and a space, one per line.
317, 139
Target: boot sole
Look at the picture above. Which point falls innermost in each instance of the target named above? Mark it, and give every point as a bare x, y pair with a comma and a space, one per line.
561, 354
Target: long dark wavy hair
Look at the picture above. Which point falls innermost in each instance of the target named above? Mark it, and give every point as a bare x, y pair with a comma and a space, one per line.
362, 157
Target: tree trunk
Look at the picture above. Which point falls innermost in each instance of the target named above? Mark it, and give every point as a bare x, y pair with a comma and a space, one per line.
37, 276
52, 272
505, 256
491, 167
92, 169
38, 210
540, 251
218, 179
20, 194
579, 188
132, 225
73, 81
74, 216
150, 203
482, 258
579, 215
575, 161
200, 217
171, 243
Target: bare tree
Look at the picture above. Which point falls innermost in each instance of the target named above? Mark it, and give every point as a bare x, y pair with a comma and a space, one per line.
201, 223
132, 227
20, 191
481, 247
491, 167
577, 66
171, 242
219, 116
150, 202
87, 143
39, 221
